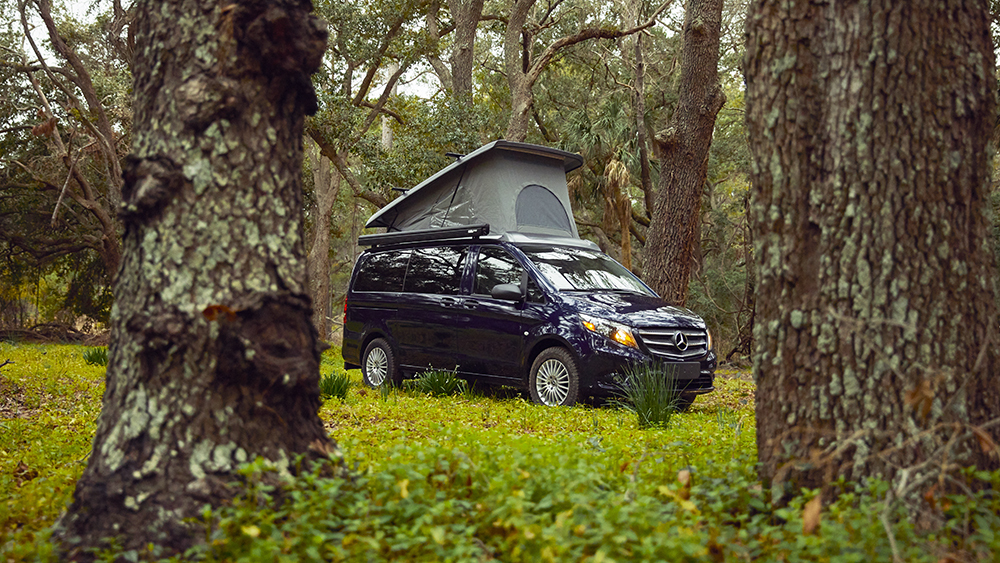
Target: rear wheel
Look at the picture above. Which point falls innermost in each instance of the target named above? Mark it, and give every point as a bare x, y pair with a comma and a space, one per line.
378, 364
554, 379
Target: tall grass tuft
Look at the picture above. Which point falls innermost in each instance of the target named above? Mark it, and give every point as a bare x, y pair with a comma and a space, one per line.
96, 356
334, 385
440, 383
649, 392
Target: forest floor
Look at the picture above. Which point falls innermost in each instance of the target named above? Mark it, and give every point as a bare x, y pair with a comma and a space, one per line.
473, 476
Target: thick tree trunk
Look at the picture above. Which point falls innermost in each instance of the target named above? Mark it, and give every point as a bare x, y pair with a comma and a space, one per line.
683, 153
876, 338
213, 359
327, 182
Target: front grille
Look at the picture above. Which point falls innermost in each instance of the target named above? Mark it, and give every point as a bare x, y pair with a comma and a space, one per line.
663, 342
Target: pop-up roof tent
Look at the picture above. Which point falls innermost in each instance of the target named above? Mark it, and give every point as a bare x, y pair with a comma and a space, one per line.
512, 187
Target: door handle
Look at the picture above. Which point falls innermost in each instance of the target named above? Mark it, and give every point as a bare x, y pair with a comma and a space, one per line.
470, 304
449, 301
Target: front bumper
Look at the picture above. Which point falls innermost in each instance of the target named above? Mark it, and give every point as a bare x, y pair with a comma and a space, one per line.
607, 370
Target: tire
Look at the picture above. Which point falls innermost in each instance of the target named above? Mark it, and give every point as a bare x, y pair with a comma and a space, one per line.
554, 379
684, 401
378, 365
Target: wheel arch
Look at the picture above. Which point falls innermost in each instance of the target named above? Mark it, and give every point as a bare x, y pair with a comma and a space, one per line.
550, 341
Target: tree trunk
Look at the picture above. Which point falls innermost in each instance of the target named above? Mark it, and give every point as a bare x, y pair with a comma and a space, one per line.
639, 108
683, 153
213, 359
466, 14
327, 182
876, 340
517, 64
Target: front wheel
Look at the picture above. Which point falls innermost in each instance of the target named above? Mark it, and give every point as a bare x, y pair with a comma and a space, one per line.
554, 379
378, 364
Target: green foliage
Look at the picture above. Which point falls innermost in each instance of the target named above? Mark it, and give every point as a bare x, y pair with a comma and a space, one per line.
649, 392
96, 356
472, 477
49, 402
334, 385
440, 383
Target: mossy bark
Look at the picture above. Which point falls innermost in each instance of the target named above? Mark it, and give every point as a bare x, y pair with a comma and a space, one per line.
213, 359
683, 152
876, 336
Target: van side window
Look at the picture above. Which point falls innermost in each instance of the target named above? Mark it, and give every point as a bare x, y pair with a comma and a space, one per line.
383, 272
496, 266
436, 270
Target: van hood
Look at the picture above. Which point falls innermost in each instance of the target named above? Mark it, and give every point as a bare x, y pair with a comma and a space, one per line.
633, 309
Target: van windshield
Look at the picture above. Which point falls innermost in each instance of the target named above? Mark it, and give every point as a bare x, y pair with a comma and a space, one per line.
576, 269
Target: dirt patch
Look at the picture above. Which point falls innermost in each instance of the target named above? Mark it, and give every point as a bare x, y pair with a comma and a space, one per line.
12, 400
54, 333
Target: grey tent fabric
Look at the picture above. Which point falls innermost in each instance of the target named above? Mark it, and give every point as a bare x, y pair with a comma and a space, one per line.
514, 187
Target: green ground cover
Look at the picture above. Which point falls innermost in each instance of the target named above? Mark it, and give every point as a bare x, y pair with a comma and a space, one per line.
479, 477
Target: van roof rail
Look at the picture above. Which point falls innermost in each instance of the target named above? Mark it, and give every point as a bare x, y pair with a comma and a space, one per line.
449, 233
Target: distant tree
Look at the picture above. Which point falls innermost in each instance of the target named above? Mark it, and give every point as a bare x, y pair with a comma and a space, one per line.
682, 148
213, 359
65, 136
523, 65
877, 341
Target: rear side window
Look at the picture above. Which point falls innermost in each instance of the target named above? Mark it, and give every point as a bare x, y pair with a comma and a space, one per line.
436, 270
382, 271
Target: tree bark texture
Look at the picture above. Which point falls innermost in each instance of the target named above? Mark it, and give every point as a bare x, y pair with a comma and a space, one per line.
327, 183
683, 152
213, 358
517, 45
876, 335
466, 14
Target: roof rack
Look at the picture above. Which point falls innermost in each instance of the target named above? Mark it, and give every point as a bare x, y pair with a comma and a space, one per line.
468, 231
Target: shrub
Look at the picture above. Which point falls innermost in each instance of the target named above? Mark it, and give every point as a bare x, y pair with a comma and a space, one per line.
334, 385
649, 392
96, 356
440, 383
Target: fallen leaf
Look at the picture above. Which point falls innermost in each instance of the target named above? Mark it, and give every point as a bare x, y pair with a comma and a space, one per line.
811, 515
684, 478
212, 312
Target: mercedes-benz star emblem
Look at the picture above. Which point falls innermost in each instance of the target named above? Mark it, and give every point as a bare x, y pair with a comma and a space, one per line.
680, 341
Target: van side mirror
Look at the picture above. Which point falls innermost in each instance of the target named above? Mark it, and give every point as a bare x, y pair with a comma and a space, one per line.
507, 292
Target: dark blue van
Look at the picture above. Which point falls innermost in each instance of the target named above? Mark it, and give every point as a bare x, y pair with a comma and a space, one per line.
481, 270
553, 315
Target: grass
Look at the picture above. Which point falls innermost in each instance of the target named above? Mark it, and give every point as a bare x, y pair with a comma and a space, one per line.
473, 477
334, 385
649, 392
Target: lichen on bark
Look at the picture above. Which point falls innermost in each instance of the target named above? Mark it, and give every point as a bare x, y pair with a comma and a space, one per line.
213, 359
869, 146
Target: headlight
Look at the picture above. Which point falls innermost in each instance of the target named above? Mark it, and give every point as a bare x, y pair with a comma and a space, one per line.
709, 333
617, 332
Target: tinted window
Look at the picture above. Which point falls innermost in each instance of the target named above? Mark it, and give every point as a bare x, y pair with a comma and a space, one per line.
496, 266
577, 269
436, 270
382, 271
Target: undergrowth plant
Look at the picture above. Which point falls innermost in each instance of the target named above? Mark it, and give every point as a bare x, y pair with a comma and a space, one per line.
440, 383
649, 392
334, 385
96, 356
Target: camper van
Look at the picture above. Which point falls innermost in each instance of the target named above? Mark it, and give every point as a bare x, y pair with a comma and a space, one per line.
481, 270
